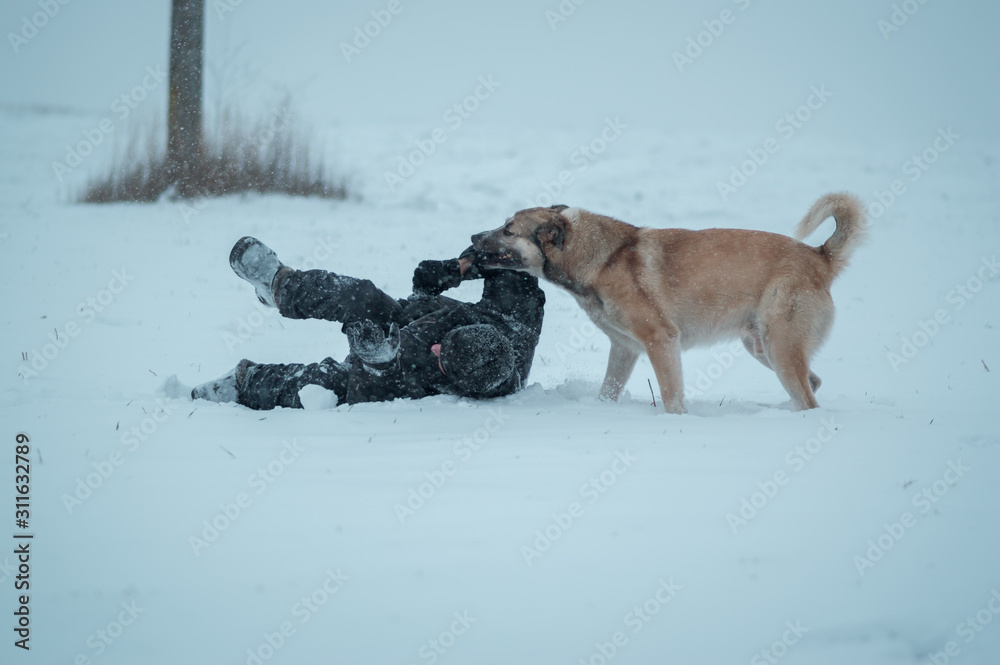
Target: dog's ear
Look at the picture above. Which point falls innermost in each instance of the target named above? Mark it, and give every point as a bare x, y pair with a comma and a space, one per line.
558, 207
553, 231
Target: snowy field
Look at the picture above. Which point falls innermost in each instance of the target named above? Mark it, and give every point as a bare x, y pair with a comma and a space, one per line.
889, 430
545, 527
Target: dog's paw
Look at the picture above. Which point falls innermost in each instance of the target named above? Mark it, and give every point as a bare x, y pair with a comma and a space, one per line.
676, 407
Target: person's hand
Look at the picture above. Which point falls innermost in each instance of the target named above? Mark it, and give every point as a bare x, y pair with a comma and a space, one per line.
435, 277
370, 343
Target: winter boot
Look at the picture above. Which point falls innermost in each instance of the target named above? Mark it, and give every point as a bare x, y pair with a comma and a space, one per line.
225, 388
258, 264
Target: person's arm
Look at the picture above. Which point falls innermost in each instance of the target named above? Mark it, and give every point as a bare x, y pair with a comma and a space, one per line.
434, 277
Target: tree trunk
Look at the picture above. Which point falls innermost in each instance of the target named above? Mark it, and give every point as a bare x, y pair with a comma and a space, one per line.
184, 123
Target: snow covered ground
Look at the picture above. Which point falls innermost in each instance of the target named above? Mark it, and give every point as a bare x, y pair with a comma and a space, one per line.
551, 523
546, 527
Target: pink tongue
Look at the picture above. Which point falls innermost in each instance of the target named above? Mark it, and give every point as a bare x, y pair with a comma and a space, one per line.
436, 350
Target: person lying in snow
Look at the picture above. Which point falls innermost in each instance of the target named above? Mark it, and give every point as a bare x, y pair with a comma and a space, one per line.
427, 344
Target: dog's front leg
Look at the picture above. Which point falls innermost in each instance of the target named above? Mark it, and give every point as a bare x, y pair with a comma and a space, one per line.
664, 350
621, 362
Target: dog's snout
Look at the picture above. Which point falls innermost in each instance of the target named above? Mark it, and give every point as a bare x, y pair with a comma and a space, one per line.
479, 238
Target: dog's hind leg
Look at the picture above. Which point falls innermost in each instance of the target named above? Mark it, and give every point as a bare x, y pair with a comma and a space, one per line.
792, 367
814, 381
621, 362
791, 364
794, 325
753, 344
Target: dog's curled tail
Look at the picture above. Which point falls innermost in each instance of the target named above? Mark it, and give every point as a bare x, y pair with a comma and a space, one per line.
849, 214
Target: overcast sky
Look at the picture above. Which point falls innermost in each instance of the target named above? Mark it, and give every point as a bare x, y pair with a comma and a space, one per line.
940, 68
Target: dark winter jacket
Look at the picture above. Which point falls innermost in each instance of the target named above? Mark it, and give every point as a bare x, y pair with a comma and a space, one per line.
405, 366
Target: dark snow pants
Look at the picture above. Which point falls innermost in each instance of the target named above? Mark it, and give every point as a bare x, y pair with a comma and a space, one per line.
316, 294
268, 386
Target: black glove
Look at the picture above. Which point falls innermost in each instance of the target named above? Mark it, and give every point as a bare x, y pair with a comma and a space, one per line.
371, 345
436, 277
474, 271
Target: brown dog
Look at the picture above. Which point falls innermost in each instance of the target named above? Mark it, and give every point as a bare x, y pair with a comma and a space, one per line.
665, 290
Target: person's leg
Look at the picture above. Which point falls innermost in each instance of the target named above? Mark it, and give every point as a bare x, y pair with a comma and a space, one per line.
222, 389
318, 294
311, 294
265, 387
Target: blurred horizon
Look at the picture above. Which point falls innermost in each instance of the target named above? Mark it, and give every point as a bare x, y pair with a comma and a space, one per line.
756, 62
